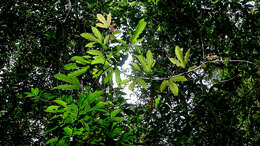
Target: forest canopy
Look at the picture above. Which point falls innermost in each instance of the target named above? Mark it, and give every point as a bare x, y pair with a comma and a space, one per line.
67, 67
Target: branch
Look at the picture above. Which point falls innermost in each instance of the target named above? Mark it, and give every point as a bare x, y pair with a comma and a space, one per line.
198, 67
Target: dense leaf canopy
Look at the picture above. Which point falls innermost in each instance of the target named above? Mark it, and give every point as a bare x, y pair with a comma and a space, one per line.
194, 70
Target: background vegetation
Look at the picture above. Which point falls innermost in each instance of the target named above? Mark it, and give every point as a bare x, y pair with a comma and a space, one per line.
217, 105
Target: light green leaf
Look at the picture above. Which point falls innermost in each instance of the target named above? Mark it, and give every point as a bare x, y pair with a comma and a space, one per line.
149, 58
179, 54
63, 77
116, 32
60, 102
90, 45
70, 66
99, 105
90, 37
163, 85
101, 18
108, 78
93, 96
178, 79
75, 82
141, 60
35, 91
141, 82
186, 58
97, 33
193, 67
79, 59
95, 52
140, 27
67, 130
52, 140
157, 101
98, 60
109, 19
71, 87
106, 39
174, 88
131, 86
78, 72
118, 80
101, 25
52, 108
115, 112
136, 66
176, 62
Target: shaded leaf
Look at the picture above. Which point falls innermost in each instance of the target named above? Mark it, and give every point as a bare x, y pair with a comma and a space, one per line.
176, 62
118, 80
60, 102
52, 140
131, 86
63, 77
70, 66
78, 72
141, 82
67, 130
115, 112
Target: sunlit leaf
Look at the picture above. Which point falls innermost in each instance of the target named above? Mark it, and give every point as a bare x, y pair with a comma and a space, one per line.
52, 108
157, 101
141, 60
131, 86
118, 80
176, 62
106, 39
79, 59
95, 52
179, 54
63, 77
101, 25
149, 58
67, 130
140, 27
78, 72
191, 68
102, 19
90, 37
174, 88
141, 82
52, 140
178, 79
163, 85
109, 19
136, 66
115, 112
71, 87
98, 60
60, 102
97, 33
70, 66
186, 58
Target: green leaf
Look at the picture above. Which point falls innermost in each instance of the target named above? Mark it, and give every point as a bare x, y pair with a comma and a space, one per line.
178, 79
97, 33
131, 86
157, 101
92, 97
67, 130
163, 85
106, 39
149, 58
174, 88
179, 54
136, 66
90, 45
90, 37
101, 25
118, 80
35, 91
108, 78
140, 27
79, 59
115, 112
70, 66
141, 82
52, 108
71, 87
63, 77
102, 19
99, 105
109, 19
98, 60
60, 102
186, 58
52, 140
95, 52
176, 62
78, 72
193, 67
142, 61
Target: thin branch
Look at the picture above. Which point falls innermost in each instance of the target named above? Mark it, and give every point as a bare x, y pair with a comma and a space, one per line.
198, 67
